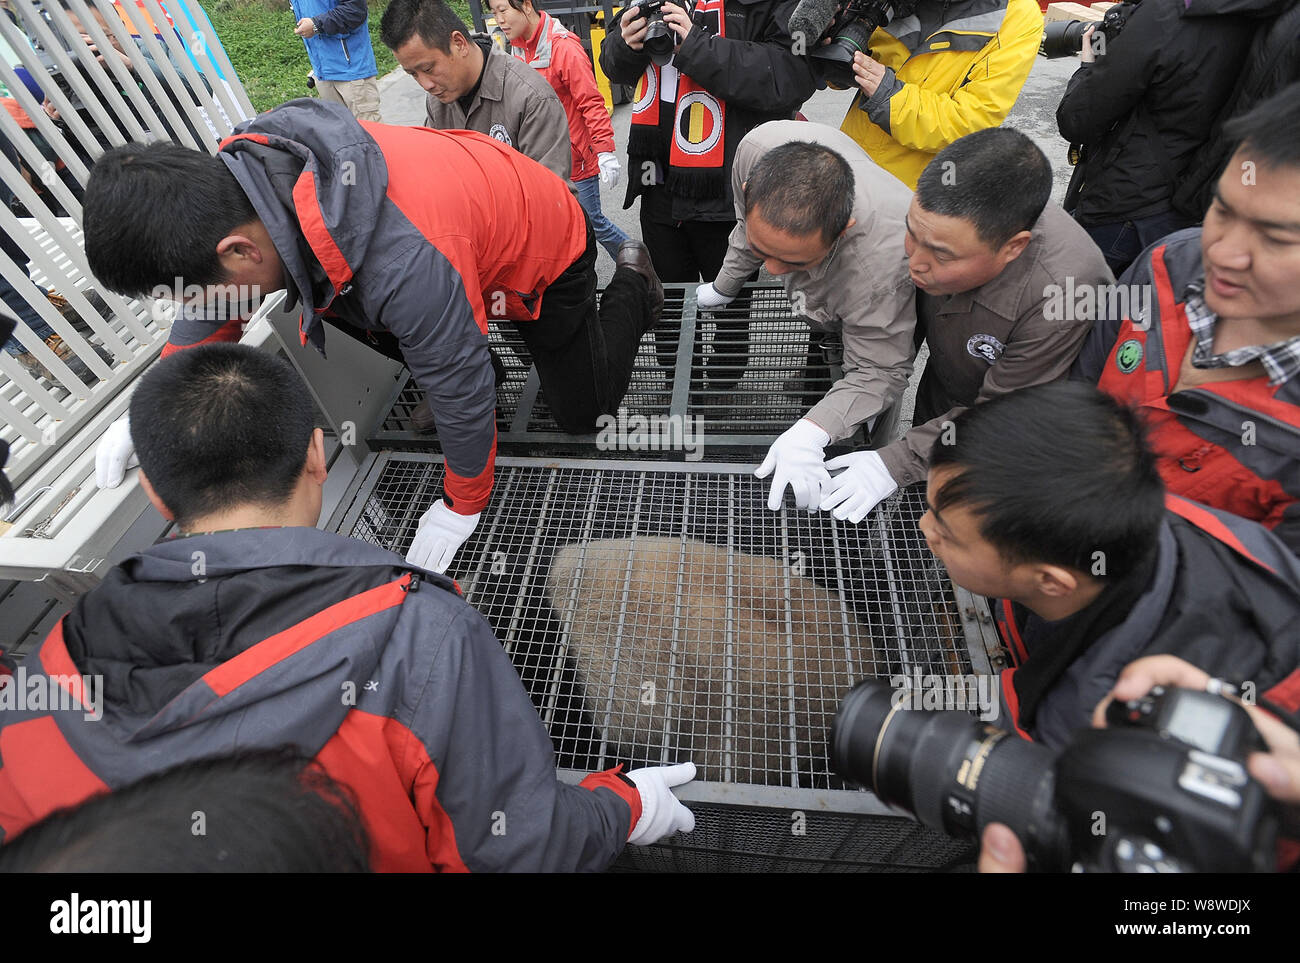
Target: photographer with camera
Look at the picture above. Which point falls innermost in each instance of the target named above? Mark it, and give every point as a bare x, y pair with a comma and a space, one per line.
990, 256
1213, 362
936, 72
1139, 108
705, 77
1048, 501
1277, 769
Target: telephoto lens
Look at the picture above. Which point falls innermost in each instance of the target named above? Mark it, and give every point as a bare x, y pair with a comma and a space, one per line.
949, 770
1064, 38
659, 37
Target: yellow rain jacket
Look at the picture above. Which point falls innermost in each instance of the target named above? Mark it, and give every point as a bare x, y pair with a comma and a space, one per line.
963, 77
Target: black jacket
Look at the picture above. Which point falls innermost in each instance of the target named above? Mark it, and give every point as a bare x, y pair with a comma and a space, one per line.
1147, 105
1272, 63
752, 70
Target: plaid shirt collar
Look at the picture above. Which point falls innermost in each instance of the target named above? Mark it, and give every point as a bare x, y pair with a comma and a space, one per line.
1281, 360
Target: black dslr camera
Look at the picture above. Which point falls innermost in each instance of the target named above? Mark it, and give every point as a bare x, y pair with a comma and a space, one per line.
1064, 38
849, 31
659, 37
1165, 791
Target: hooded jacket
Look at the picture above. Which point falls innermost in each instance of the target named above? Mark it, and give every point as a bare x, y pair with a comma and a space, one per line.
379, 671
1146, 107
1223, 595
1232, 444
943, 81
368, 237
558, 55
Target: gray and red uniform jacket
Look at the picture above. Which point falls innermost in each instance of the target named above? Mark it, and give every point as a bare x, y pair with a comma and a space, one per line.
422, 233
1234, 445
379, 671
1223, 594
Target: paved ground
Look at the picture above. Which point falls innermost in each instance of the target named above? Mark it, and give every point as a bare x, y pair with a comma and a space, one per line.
402, 102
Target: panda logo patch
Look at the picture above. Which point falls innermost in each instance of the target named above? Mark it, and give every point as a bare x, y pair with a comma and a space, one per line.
1129, 356
985, 346
499, 132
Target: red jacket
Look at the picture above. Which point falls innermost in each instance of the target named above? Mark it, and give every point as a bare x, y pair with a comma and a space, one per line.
1234, 445
560, 56
423, 233
377, 670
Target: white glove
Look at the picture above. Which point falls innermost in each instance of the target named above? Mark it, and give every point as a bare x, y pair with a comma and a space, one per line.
864, 484
708, 297
441, 534
610, 168
797, 458
661, 813
115, 454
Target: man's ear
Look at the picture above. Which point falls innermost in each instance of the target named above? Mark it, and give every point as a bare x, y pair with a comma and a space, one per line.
316, 467
459, 43
1055, 581
237, 249
154, 500
1014, 247
852, 221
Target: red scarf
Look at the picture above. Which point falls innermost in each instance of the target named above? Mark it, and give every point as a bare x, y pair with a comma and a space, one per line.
697, 148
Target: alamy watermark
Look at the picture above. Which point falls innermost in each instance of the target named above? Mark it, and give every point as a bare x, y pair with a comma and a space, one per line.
1088, 302
962, 692
212, 302
624, 432
37, 692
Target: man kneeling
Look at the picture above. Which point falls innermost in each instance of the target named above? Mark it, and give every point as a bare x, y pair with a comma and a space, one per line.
253, 629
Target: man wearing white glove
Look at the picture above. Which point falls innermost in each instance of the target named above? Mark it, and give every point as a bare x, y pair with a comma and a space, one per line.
818, 214
542, 42
796, 458
441, 748
440, 535
863, 484
115, 454
661, 813
986, 254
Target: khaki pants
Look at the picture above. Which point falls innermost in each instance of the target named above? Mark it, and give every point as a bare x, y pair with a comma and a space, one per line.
359, 96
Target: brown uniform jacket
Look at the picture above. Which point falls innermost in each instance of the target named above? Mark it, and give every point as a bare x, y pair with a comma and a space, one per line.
1023, 328
514, 104
862, 289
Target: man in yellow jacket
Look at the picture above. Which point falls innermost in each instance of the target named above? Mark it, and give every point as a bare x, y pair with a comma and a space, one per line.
945, 71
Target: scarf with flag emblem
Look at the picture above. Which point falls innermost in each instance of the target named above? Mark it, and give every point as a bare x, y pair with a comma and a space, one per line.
696, 148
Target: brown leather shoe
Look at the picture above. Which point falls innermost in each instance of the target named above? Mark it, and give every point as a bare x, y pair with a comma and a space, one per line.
635, 255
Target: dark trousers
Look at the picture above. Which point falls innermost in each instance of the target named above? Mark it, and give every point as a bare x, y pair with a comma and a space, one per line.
1122, 241
693, 251
583, 355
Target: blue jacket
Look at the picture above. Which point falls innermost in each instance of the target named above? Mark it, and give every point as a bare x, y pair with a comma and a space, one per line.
340, 49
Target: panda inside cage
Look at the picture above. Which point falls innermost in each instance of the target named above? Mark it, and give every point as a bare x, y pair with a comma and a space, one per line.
657, 611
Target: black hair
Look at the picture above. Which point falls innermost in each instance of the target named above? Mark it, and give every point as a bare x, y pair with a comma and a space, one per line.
997, 179
154, 215
258, 811
1270, 131
519, 5
1055, 473
800, 188
433, 20
220, 425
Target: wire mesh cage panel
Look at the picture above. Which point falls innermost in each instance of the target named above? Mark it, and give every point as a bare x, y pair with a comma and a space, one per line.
742, 375
660, 612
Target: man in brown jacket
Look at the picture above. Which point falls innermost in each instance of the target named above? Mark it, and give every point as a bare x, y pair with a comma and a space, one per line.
473, 85
1008, 286
816, 212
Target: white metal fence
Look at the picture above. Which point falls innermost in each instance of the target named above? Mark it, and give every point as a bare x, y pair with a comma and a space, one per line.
65, 106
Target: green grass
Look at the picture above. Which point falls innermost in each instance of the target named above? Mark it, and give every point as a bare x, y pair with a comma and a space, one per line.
269, 58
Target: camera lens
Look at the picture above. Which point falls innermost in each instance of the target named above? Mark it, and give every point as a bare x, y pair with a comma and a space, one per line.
1063, 38
659, 40
949, 770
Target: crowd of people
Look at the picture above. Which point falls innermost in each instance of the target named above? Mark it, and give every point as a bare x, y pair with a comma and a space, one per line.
1107, 427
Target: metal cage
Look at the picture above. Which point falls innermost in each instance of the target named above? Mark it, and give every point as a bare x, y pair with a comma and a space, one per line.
797, 607
747, 372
